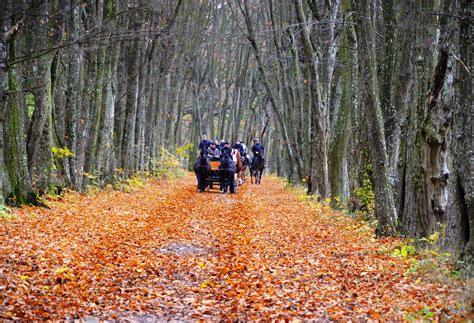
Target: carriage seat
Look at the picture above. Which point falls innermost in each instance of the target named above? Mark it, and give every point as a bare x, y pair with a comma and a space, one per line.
215, 164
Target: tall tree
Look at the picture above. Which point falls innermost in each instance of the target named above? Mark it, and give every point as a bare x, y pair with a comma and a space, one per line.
385, 210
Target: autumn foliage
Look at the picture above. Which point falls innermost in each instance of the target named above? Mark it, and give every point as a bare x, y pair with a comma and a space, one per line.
165, 251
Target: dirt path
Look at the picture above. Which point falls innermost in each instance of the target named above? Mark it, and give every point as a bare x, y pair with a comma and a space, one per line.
165, 251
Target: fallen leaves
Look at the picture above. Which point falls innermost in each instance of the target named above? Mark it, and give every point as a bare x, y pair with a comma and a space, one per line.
166, 252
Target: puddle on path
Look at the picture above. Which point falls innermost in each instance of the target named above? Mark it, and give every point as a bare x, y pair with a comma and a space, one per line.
183, 249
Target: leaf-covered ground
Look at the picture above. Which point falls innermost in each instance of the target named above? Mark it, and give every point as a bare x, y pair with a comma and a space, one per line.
165, 251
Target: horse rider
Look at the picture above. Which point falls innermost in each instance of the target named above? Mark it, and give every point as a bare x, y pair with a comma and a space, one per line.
243, 150
238, 146
204, 144
257, 148
213, 152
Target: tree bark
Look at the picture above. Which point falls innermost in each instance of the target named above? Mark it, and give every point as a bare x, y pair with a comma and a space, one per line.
464, 149
385, 211
75, 80
128, 140
320, 173
15, 141
5, 34
39, 133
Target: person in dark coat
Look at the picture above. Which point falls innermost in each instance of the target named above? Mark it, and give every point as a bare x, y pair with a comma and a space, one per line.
237, 145
221, 145
204, 144
257, 148
243, 151
226, 150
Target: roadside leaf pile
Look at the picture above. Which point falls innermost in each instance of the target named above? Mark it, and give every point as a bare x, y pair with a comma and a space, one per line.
165, 251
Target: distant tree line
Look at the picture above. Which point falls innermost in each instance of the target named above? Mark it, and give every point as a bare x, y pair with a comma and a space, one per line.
365, 97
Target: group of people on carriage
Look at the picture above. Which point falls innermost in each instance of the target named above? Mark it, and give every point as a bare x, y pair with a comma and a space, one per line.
216, 149
232, 161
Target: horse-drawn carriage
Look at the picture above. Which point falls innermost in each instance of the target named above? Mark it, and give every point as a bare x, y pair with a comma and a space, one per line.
222, 175
214, 175
222, 172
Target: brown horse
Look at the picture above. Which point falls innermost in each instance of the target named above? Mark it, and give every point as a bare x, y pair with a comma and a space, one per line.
239, 173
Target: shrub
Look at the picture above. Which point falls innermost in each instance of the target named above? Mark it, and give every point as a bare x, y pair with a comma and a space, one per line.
5, 213
170, 165
363, 196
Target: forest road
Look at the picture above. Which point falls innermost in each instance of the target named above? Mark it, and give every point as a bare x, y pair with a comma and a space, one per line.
164, 251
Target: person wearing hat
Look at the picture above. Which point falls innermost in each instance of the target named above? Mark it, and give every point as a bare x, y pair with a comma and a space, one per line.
257, 148
237, 146
242, 148
213, 151
226, 149
204, 144
221, 145
245, 152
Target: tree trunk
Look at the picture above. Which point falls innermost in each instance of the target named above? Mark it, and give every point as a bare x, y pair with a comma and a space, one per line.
128, 140
5, 30
105, 141
464, 150
15, 141
39, 133
341, 134
385, 211
75, 80
320, 173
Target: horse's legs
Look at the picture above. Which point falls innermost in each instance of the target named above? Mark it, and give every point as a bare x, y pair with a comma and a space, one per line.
229, 180
224, 181
238, 177
200, 180
233, 186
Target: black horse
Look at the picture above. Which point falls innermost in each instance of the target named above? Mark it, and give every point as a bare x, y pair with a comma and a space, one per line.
227, 171
256, 168
202, 168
